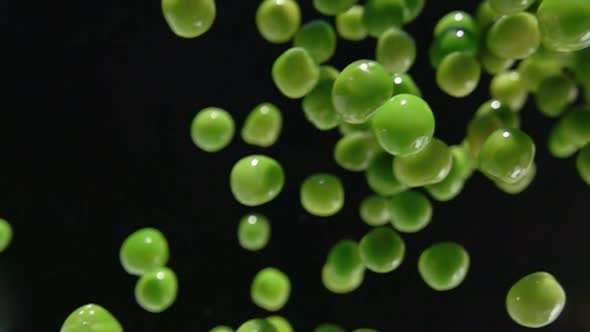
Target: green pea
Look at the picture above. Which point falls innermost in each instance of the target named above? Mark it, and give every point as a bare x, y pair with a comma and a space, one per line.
404, 84
278, 20
396, 50
344, 259
456, 20
404, 125
329, 328
295, 73
412, 9
493, 64
360, 89
479, 129
5, 234
189, 18
509, 118
318, 106
583, 163
535, 300
212, 129
318, 39
410, 211
354, 152
508, 88
444, 265
581, 67
452, 40
341, 284
280, 324
221, 328
555, 94
270, 289
558, 143
428, 166
143, 251
485, 15
514, 36
253, 232
328, 73
156, 290
382, 250
374, 210
463, 161
257, 325
576, 126
506, 155
256, 180
322, 195
452, 184
380, 15
564, 24
333, 7
349, 24
346, 128
263, 125
520, 185
458, 74
535, 69
510, 6
380, 176
91, 317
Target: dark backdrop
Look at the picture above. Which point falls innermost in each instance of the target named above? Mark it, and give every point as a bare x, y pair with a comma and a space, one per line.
115, 156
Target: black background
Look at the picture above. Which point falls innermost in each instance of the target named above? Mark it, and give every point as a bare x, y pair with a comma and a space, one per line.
114, 155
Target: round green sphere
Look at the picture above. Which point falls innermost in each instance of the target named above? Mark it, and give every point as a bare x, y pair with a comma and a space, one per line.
382, 250
349, 24
263, 125
564, 24
270, 289
341, 284
583, 163
5, 234
576, 126
318, 39
444, 265
410, 211
322, 195
452, 184
212, 129
380, 15
508, 88
374, 210
91, 317
256, 180
156, 291
344, 259
253, 232
428, 166
451, 41
555, 94
189, 18
396, 50
295, 73
514, 36
143, 251
381, 178
458, 74
355, 151
278, 20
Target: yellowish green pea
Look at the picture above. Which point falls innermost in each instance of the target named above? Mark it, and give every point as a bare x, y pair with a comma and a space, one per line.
256, 180
221, 328
558, 143
263, 125
341, 284
493, 64
508, 88
456, 20
404, 84
410, 211
381, 178
427, 166
452, 184
478, 130
189, 18
91, 317
322, 195
295, 73
5, 234
458, 74
318, 38
382, 250
256, 325
576, 126
514, 36
444, 265
520, 185
510, 6
583, 163
143, 251
349, 24
374, 210
212, 129
344, 259
412, 9
396, 50
318, 107
270, 289
535, 69
485, 15
380, 15
555, 94
354, 152
280, 323
278, 20
564, 24
254, 232
156, 290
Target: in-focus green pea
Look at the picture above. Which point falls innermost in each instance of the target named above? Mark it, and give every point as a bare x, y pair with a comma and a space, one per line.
341, 284
404, 84
221, 328
253, 232
452, 40
506, 155
333, 7
412, 9
212, 129
189, 18
143, 251
444, 265
91, 317
382, 250
404, 125
558, 143
576, 126
354, 152
428, 166
318, 107
396, 50
564, 24
520, 185
555, 94
508, 88
492, 63
509, 118
322, 195
349, 24
270, 289
483, 124
318, 38
458, 74
583, 163
485, 15
256, 180
344, 259
535, 69
360, 89
5, 234
514, 36
374, 210
410, 211
380, 176
452, 184
380, 15
329, 328
510, 6
156, 291
256, 325
280, 323
278, 20
263, 125
295, 73
456, 20
346, 128
535, 300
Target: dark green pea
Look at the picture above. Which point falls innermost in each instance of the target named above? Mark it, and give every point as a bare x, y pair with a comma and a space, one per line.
555, 94
280, 323
212, 129
583, 163
564, 24
492, 63
520, 185
263, 125
382, 250
374, 210
256, 180
253, 232
278, 20
256, 325
452, 40
328, 328
355, 151
458, 74
581, 67
380, 176
404, 84
427, 166
576, 126
91, 317
295, 73
380, 15
510, 6
5, 234
412, 9
452, 184
143, 251
344, 259
333, 7
156, 291
318, 107
396, 50
322, 195
410, 211
508, 88
559, 144
509, 118
514, 36
189, 18
270, 289
341, 284
350, 24
456, 20
444, 265
536, 69
318, 39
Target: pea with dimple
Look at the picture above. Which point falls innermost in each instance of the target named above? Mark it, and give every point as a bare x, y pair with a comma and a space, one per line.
189, 18
263, 125
295, 73
322, 195
270, 289
410, 211
256, 180
156, 291
349, 24
382, 250
91, 317
212, 129
278, 20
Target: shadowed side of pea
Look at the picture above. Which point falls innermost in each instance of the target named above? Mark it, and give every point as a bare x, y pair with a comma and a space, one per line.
354, 152
281, 324
254, 232
555, 94
5, 234
458, 74
317, 105
318, 38
256, 325
374, 210
410, 211
380, 15
583, 163
91, 317
256, 180
381, 178
506, 155
349, 24
189, 18
427, 166
382, 250
333, 7
328, 328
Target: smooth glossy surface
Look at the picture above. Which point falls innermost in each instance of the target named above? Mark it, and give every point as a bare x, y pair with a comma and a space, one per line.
404, 125
143, 251
374, 210
382, 250
278, 20
444, 265
520, 185
344, 259
256, 325
565, 24
458, 74
253, 231
270, 289
452, 184
456, 20
295, 73
318, 107
349, 24
156, 291
428, 166
493, 107
360, 89
509, 89
510, 6
380, 176
536, 300
380, 15
5, 234
189, 18
333, 7
91, 318
404, 84
555, 94
506, 155
479, 129
318, 38
256, 179
396, 50
354, 152
583, 163
514, 36
212, 129
322, 195
280, 323
341, 284
410, 211
262, 126
452, 40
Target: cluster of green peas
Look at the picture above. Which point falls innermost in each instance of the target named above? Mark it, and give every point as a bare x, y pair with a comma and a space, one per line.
388, 133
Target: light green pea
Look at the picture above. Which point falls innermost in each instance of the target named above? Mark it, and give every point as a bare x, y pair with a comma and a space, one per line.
318, 39
458, 74
318, 107
344, 259
381, 178
558, 144
444, 265
510, 6
514, 36
91, 317
404, 84
382, 250
410, 211
555, 94
535, 69
278, 20
374, 210
263, 125
412, 9
428, 166
256, 180
583, 163
295, 73
212, 129
156, 291
508, 88
380, 15
341, 284
576, 126
221, 328
452, 184
456, 20
5, 234
270, 289
349, 24
143, 251
280, 323
333, 7
329, 328
536, 300
322, 195
254, 231
493, 64
520, 185
189, 18
256, 325
396, 50
354, 152
564, 24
